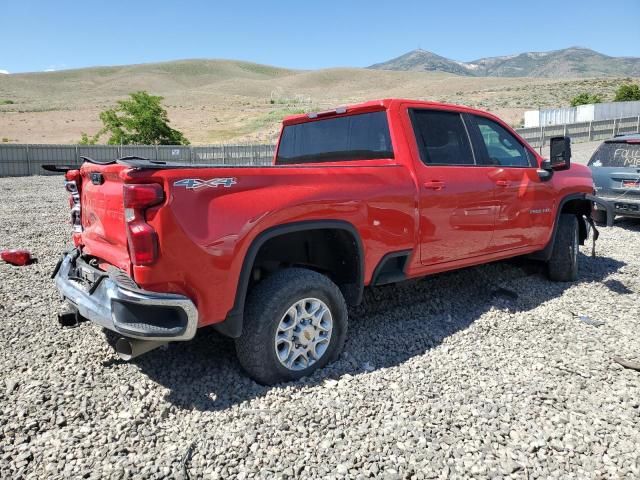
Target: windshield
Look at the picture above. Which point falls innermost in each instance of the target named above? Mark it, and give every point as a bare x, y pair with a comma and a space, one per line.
356, 137
616, 155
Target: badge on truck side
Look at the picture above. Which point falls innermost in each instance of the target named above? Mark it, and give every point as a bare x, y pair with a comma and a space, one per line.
196, 183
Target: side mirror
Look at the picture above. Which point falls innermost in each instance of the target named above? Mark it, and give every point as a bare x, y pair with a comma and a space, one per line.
560, 157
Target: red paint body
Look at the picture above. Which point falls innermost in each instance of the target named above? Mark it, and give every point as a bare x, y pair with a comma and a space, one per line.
448, 216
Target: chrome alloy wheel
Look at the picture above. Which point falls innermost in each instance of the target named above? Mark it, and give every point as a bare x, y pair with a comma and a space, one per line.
303, 334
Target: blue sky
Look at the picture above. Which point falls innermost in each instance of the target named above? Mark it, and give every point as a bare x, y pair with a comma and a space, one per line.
37, 35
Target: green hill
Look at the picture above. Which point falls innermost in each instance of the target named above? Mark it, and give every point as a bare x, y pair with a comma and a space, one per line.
225, 100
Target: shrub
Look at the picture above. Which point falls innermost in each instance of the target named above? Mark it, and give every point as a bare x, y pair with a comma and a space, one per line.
627, 92
585, 99
87, 140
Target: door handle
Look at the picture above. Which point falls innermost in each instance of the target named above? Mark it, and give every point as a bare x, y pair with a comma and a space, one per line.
434, 185
502, 183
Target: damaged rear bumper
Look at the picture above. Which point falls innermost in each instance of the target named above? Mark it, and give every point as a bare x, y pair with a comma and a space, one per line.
115, 303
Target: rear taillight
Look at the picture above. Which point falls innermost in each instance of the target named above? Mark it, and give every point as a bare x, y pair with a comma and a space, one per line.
143, 239
72, 185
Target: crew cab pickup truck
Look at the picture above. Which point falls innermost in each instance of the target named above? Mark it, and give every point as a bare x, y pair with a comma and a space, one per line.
359, 196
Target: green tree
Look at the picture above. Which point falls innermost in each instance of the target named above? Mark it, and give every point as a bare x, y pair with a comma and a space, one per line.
585, 99
627, 92
140, 120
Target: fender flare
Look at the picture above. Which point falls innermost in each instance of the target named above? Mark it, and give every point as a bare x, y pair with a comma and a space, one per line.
232, 324
394, 273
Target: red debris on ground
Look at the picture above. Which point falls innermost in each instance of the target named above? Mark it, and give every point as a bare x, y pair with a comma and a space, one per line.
16, 257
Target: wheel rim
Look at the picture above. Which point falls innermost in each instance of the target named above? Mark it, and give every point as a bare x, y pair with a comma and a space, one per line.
303, 334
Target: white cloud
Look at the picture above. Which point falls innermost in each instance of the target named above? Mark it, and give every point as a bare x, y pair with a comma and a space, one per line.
4, 72
55, 67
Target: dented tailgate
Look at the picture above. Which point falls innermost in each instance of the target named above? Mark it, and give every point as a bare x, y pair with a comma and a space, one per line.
104, 234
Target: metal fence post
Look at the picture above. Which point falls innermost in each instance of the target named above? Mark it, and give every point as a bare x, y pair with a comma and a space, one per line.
614, 127
590, 130
540, 140
638, 125
28, 162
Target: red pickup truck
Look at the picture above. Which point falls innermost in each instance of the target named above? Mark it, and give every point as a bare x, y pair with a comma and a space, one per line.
362, 195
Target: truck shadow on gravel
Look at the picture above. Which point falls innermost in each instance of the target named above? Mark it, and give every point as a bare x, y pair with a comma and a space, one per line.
393, 324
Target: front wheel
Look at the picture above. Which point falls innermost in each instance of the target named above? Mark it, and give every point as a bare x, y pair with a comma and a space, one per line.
563, 264
295, 323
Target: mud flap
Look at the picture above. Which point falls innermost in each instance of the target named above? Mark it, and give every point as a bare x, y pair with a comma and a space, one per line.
595, 236
606, 206
609, 209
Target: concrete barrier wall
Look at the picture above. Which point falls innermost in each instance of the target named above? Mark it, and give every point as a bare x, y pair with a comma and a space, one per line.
582, 131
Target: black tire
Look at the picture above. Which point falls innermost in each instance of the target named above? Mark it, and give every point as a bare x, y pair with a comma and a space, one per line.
599, 217
266, 307
563, 264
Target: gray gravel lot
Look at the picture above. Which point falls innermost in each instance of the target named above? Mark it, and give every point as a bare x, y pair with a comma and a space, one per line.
486, 372
580, 152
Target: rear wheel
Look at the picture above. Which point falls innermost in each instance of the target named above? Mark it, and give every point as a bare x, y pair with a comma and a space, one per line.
563, 264
295, 323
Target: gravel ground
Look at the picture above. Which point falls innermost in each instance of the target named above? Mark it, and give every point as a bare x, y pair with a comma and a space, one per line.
580, 152
488, 372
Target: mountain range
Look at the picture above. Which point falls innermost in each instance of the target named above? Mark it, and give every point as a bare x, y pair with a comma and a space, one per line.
568, 62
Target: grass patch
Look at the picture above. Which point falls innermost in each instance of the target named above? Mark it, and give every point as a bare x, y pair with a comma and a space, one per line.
269, 120
273, 117
7, 102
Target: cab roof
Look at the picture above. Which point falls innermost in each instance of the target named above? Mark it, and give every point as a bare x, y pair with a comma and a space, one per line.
373, 106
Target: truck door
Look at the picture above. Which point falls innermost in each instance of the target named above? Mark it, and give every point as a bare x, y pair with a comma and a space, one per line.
525, 203
456, 198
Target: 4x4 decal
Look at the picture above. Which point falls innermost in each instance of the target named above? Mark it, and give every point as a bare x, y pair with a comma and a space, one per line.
196, 183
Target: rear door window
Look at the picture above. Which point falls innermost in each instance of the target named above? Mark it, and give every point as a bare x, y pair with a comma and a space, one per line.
616, 154
498, 146
363, 136
442, 137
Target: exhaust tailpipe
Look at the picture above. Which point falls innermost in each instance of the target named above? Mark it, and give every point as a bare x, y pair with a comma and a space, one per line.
129, 348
